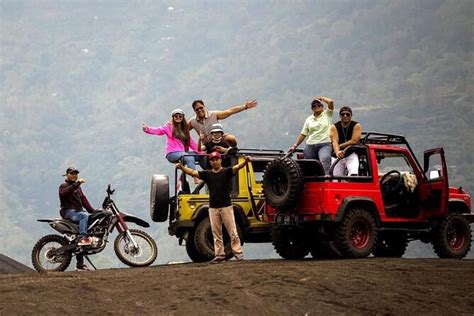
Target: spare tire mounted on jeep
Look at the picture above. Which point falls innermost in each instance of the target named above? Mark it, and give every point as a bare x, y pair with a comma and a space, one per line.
283, 183
159, 198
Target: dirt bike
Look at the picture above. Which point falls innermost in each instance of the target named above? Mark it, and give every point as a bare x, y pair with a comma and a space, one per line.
133, 247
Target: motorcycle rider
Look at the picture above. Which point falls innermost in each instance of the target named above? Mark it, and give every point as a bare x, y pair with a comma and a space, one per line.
73, 201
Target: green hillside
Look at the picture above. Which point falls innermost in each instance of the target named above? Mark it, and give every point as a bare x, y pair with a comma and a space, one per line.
77, 79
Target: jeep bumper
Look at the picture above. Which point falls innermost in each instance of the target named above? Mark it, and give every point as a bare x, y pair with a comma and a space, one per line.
177, 226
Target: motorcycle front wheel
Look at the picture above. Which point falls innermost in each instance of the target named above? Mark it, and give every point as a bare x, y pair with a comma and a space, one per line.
141, 256
45, 259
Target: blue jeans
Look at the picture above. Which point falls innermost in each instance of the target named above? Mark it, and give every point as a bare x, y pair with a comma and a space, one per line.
82, 217
321, 152
189, 161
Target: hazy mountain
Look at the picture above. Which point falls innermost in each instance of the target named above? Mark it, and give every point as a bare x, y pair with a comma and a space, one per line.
77, 79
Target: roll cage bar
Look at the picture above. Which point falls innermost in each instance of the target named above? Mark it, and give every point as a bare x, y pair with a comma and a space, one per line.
387, 139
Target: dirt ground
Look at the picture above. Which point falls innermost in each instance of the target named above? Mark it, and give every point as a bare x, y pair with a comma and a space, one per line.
257, 287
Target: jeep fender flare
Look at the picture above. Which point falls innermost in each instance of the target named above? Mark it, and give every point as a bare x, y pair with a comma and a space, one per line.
239, 214
362, 202
458, 205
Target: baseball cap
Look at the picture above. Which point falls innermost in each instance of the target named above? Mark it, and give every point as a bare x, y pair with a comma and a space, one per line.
345, 109
217, 128
70, 170
177, 111
214, 154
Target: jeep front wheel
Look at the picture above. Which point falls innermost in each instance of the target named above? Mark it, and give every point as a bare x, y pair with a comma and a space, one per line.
452, 237
356, 234
191, 249
204, 240
391, 245
289, 244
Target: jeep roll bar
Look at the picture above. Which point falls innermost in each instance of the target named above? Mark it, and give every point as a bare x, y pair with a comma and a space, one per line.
388, 139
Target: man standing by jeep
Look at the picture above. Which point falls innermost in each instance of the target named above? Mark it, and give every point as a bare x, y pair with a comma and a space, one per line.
343, 134
220, 204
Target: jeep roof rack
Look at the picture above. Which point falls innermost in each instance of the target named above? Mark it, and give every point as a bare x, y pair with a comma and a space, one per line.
382, 138
261, 152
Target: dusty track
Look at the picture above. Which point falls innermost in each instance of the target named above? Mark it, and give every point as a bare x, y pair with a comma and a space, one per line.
267, 287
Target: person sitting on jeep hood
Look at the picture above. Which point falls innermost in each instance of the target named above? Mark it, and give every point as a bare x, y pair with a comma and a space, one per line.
345, 133
178, 139
217, 143
316, 128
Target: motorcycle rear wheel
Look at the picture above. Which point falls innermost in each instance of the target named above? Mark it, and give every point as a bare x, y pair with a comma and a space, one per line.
42, 258
142, 256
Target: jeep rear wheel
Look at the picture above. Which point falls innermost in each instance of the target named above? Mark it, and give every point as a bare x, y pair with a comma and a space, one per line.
289, 244
204, 240
282, 183
452, 237
159, 198
356, 234
391, 245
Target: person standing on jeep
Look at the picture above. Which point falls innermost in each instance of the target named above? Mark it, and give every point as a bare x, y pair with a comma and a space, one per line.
73, 201
203, 120
345, 133
316, 127
220, 204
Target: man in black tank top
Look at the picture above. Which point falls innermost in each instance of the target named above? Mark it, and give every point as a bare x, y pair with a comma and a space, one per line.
345, 133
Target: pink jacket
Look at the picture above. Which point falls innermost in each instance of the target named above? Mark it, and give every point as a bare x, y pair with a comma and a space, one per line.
172, 144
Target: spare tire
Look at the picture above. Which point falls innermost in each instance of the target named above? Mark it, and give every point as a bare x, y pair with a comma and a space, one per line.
159, 198
282, 183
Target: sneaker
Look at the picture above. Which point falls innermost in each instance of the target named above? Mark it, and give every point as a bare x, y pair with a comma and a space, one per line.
217, 260
239, 258
82, 268
85, 241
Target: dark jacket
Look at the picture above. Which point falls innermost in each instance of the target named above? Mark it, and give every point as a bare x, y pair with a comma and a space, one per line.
72, 197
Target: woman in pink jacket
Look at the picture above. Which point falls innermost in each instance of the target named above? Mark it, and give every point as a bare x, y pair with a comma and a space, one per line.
178, 139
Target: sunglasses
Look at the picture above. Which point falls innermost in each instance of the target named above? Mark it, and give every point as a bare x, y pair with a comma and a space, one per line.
346, 114
316, 104
199, 109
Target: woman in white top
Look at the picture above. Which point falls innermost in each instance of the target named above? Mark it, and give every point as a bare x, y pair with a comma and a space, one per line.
316, 127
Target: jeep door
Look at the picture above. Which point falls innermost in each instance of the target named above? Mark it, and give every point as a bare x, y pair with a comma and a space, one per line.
434, 187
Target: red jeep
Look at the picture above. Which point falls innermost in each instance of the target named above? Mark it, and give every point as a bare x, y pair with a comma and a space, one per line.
393, 200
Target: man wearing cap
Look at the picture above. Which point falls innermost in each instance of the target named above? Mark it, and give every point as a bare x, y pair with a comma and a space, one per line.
220, 204
203, 120
345, 133
72, 201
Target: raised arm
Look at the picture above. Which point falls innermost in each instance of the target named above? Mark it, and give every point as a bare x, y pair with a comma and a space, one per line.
328, 101
239, 166
188, 171
236, 109
162, 130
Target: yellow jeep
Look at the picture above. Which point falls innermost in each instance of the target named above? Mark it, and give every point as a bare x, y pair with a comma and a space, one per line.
187, 212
